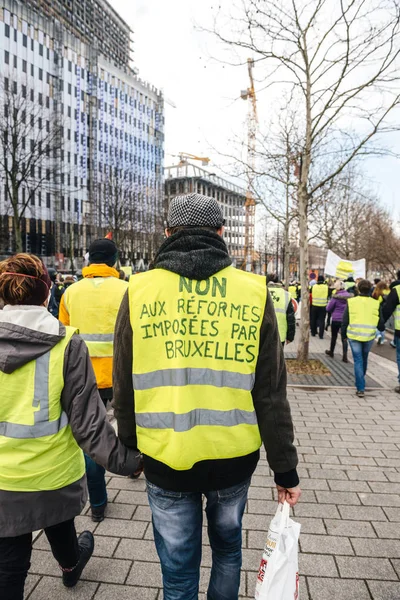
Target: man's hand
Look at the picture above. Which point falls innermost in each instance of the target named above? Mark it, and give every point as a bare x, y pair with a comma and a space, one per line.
291, 495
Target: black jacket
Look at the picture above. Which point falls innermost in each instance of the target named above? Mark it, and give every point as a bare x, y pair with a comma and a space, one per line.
392, 301
198, 255
345, 322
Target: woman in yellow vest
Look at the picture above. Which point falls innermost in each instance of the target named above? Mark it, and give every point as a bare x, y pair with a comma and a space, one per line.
50, 409
361, 319
380, 293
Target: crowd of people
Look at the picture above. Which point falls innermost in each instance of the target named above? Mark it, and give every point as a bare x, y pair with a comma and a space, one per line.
190, 353
357, 309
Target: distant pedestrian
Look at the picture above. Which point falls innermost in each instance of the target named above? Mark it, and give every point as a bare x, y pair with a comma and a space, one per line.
284, 310
350, 285
361, 319
336, 309
392, 307
50, 409
56, 292
91, 305
380, 292
319, 301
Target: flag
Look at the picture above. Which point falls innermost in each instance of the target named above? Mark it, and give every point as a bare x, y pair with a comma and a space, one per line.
342, 269
109, 235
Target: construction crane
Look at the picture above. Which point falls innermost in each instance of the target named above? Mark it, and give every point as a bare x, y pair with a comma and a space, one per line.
250, 204
184, 157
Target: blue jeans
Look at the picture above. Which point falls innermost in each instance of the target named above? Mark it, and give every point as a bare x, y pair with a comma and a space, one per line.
96, 483
177, 524
397, 342
360, 351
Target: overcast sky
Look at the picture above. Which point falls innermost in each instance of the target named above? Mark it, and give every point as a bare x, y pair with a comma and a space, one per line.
173, 54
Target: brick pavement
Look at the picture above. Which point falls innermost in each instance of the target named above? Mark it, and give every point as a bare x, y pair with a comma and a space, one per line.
350, 513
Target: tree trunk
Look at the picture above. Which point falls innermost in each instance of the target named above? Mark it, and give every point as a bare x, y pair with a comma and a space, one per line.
286, 249
303, 346
17, 223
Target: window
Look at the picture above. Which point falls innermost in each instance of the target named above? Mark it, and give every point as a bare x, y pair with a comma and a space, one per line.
24, 66
48, 102
32, 48
32, 71
47, 77
6, 84
32, 197
48, 199
41, 74
7, 57
40, 198
15, 35
24, 91
15, 87
70, 66
48, 174
32, 168
75, 181
15, 62
69, 111
7, 30
47, 126
62, 203
48, 53
69, 89
40, 122
40, 49
40, 99
76, 205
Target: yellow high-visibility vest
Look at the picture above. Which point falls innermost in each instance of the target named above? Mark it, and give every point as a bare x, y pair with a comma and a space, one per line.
363, 318
195, 350
38, 451
292, 289
396, 313
281, 299
93, 304
319, 293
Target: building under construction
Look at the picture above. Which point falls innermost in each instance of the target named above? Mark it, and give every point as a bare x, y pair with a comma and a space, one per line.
186, 178
69, 61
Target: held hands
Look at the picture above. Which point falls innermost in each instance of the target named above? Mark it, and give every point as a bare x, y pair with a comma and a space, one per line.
291, 495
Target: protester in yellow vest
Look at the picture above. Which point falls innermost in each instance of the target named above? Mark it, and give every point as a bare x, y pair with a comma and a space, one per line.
92, 305
201, 340
284, 310
392, 307
50, 409
319, 301
361, 319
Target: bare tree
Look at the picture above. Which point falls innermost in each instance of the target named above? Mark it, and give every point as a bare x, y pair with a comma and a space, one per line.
28, 144
339, 62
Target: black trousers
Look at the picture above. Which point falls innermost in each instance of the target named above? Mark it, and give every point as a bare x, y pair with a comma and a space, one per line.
335, 328
318, 320
15, 557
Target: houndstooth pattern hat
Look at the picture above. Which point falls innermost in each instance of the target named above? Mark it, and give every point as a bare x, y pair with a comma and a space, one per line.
195, 210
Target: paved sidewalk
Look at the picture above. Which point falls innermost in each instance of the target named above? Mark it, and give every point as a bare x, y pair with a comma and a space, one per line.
350, 513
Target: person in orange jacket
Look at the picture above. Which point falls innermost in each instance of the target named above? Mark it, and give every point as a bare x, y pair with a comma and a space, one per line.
91, 305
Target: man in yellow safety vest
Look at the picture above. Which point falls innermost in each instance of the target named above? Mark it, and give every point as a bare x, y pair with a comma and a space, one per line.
284, 310
199, 384
361, 319
91, 306
319, 302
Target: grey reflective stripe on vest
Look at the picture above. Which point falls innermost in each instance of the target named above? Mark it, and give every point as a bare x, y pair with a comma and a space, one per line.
42, 426
194, 418
280, 310
15, 430
181, 377
369, 327
97, 337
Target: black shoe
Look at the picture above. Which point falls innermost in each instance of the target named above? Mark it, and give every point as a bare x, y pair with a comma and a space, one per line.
397, 389
329, 353
345, 359
98, 513
360, 394
86, 547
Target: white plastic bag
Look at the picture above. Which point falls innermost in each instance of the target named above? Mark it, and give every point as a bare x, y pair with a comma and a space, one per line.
278, 577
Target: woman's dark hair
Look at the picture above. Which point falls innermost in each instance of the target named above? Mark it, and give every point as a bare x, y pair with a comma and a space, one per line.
17, 289
364, 287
